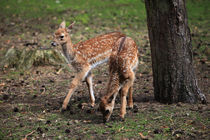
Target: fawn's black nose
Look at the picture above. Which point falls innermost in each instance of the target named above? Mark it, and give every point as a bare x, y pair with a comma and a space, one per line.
53, 44
104, 120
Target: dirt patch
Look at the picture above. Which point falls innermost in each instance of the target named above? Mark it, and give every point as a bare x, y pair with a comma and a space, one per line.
31, 101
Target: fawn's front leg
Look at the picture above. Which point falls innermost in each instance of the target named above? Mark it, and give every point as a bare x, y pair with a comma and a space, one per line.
127, 86
89, 83
130, 97
74, 84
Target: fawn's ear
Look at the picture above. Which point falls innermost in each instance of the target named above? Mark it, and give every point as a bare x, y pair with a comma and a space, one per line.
71, 26
63, 24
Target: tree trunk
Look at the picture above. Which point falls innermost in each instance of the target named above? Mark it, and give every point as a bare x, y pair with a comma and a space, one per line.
170, 40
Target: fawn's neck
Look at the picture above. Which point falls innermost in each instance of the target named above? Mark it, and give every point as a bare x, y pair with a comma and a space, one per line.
68, 50
113, 86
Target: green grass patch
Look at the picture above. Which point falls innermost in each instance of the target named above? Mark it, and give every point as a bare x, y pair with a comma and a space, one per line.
126, 11
198, 12
81, 10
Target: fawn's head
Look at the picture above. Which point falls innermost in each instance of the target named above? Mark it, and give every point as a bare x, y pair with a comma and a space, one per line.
61, 35
106, 108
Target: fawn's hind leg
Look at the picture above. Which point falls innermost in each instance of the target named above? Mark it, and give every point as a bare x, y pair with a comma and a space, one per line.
89, 83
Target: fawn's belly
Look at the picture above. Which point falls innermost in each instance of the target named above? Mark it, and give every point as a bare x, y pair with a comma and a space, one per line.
99, 59
96, 63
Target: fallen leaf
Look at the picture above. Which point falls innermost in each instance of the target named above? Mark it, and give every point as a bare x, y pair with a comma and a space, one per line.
121, 128
84, 105
158, 117
2, 84
87, 121
59, 71
76, 121
141, 62
164, 126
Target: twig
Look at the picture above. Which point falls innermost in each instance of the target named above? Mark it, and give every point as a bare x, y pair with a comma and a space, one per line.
58, 97
43, 91
58, 72
28, 135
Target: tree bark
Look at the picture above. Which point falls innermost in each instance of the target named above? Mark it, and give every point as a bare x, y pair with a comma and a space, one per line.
171, 48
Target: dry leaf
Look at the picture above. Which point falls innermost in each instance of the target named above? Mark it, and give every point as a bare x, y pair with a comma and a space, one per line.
121, 128
59, 71
2, 84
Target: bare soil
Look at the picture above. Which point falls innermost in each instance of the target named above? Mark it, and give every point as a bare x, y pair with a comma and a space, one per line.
31, 101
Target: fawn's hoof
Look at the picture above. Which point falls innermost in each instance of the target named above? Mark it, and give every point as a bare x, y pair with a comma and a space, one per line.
130, 107
92, 105
104, 121
122, 119
63, 110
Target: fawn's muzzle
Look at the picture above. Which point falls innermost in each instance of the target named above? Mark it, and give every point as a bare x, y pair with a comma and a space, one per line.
54, 44
104, 120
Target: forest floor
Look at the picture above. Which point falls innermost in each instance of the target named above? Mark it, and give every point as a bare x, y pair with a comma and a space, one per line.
30, 100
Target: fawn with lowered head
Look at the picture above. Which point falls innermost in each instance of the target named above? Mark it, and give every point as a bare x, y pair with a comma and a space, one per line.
123, 61
84, 56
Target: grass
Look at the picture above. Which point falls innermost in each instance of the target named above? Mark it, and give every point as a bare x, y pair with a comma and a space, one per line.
198, 12
84, 11
128, 11
96, 16
153, 120
93, 17
53, 124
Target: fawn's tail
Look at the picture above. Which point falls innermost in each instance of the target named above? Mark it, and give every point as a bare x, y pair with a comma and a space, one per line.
121, 44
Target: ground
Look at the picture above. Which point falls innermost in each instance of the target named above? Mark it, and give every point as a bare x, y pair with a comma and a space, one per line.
30, 100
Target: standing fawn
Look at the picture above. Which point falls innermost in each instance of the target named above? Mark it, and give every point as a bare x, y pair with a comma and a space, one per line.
123, 61
84, 56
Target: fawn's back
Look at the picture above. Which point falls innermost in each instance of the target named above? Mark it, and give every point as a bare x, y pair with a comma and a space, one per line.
124, 56
96, 50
